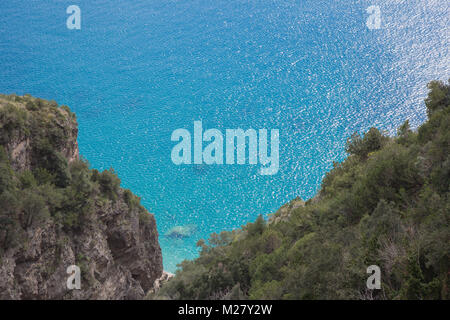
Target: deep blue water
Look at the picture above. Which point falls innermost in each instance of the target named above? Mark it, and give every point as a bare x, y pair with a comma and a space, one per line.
137, 70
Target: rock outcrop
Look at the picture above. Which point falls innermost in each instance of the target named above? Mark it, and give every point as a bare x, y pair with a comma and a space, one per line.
180, 232
114, 240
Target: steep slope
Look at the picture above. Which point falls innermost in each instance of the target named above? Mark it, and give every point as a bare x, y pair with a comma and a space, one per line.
387, 204
56, 212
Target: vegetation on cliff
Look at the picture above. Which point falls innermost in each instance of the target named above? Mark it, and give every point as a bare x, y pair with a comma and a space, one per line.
55, 212
387, 204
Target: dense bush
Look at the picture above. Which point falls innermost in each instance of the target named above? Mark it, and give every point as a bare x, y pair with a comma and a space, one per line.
12, 121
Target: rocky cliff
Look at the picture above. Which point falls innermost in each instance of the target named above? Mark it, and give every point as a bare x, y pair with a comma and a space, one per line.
56, 212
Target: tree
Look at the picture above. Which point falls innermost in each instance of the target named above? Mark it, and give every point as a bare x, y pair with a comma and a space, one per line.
33, 208
373, 140
109, 183
438, 97
257, 227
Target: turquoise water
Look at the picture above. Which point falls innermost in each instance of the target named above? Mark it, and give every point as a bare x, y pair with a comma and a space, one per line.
138, 70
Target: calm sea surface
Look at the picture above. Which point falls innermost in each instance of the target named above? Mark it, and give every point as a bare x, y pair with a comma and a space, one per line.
138, 70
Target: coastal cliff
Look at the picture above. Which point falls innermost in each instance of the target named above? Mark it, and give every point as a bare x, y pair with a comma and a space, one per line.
386, 205
56, 212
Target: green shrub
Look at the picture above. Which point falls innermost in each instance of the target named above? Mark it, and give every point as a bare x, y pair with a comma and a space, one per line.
109, 183
52, 161
27, 180
13, 122
33, 208
43, 176
373, 140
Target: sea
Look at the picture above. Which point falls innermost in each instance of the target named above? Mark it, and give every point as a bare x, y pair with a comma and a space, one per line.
137, 70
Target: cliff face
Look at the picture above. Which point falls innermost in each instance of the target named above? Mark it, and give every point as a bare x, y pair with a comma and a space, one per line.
56, 212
